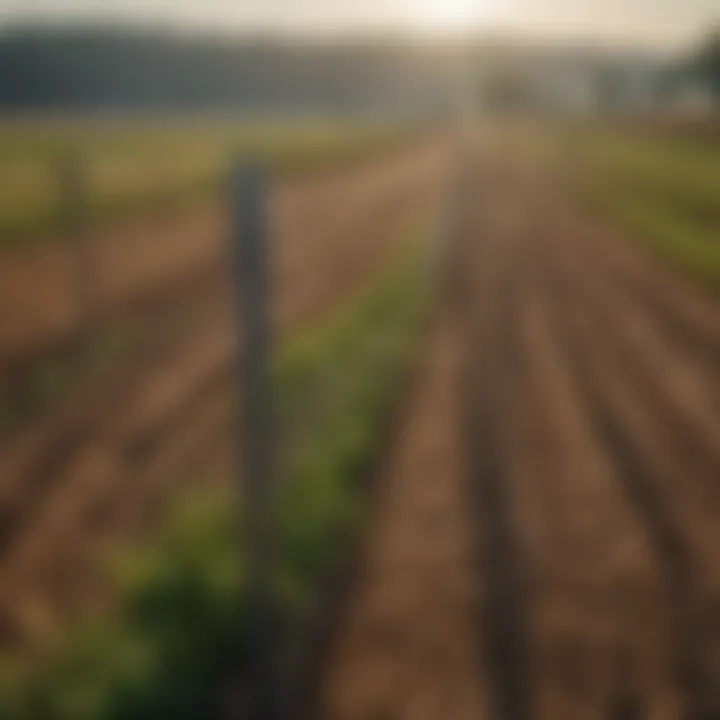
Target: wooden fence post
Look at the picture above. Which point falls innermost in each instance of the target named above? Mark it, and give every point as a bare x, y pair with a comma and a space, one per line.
73, 208
252, 258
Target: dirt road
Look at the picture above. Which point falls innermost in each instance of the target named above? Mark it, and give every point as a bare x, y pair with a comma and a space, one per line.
585, 465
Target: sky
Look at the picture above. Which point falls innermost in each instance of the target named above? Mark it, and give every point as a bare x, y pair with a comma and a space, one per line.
647, 22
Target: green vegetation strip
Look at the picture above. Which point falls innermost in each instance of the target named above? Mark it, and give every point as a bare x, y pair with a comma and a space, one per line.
130, 172
55, 377
666, 192
181, 619
684, 176
679, 239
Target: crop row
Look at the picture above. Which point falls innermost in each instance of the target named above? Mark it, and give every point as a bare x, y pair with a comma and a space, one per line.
124, 172
666, 191
181, 613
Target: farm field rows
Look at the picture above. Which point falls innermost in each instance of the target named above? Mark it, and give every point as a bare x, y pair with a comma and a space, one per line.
130, 167
664, 188
407, 646
587, 452
596, 455
144, 268
98, 467
176, 642
542, 539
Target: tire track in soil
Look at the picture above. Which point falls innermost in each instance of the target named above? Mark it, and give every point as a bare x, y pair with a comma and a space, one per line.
644, 390
557, 583
589, 598
688, 311
667, 377
686, 318
602, 648
624, 409
406, 648
488, 380
662, 377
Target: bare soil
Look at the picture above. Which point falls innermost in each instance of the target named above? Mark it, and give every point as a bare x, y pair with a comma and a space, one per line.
584, 473
146, 258
100, 468
408, 647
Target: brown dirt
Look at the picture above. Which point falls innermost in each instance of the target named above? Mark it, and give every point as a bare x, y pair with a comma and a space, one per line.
408, 646
611, 445
140, 259
591, 435
546, 537
99, 468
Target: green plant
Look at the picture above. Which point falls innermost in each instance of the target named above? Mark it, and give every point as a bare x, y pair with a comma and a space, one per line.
665, 191
181, 611
149, 168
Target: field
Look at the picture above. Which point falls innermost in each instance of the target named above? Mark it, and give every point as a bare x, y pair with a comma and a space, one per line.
664, 188
143, 261
110, 413
554, 495
128, 168
513, 514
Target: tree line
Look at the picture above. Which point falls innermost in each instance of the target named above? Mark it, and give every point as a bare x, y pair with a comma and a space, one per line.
151, 70
95, 68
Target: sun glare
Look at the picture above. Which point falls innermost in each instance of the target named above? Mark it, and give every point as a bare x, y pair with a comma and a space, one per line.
448, 14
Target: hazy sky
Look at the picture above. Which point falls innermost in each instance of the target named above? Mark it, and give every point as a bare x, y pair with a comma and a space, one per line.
646, 21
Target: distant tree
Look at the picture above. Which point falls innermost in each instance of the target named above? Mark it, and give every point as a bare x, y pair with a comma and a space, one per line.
705, 62
610, 86
510, 91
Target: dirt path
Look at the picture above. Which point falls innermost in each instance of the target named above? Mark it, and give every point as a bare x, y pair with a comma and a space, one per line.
408, 649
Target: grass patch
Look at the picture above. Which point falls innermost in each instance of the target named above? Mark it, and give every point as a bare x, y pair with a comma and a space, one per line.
53, 378
687, 178
665, 191
181, 620
676, 237
137, 170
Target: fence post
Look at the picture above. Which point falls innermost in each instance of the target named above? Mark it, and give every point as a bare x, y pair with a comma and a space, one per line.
73, 208
252, 254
